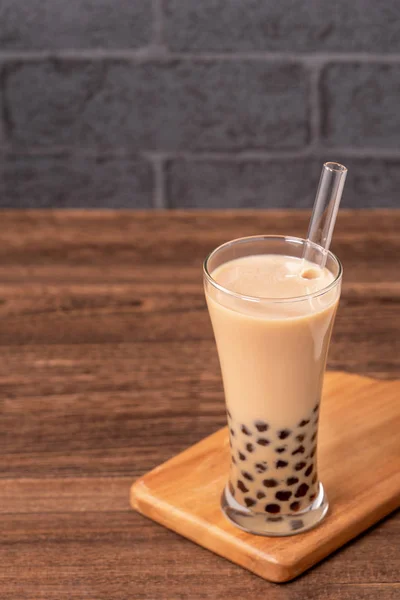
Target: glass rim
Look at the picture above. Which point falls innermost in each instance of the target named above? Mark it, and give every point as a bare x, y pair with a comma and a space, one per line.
260, 238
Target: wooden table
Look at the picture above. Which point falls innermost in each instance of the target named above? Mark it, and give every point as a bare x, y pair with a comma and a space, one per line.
109, 368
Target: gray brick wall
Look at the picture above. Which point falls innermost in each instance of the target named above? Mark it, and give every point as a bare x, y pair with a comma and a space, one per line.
197, 104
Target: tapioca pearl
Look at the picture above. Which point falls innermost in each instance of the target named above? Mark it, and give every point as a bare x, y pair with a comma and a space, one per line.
281, 464
301, 490
241, 456
261, 426
273, 508
300, 438
300, 465
260, 495
270, 483
260, 467
298, 450
232, 432
313, 451
314, 435
309, 470
283, 495
247, 476
304, 422
274, 519
263, 442
296, 524
281, 449
240, 485
295, 506
292, 480
245, 430
250, 448
312, 497
283, 434
314, 479
249, 502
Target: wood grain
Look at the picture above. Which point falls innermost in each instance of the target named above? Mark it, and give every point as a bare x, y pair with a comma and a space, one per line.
358, 456
108, 368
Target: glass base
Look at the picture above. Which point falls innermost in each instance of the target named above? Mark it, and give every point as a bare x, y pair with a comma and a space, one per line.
275, 525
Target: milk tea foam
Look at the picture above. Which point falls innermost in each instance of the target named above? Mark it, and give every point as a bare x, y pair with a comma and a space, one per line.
272, 355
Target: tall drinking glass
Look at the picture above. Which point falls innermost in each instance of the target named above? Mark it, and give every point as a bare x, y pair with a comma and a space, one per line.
272, 352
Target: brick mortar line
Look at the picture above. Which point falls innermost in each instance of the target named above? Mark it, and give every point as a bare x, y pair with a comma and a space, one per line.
311, 152
68, 152
3, 136
314, 100
384, 153
159, 196
157, 33
4, 115
158, 54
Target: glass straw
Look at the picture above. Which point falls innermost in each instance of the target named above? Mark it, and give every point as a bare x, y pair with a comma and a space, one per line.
326, 206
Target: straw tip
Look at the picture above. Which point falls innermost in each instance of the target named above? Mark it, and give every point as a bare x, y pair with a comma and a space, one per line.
334, 166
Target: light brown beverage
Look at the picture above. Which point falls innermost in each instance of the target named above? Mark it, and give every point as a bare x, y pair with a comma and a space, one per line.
272, 356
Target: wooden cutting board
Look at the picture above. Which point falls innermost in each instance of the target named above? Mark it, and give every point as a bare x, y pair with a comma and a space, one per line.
358, 462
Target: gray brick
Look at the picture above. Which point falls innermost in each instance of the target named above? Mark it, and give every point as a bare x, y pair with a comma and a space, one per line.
45, 103
2, 136
284, 183
177, 105
241, 184
60, 24
372, 183
360, 105
63, 181
284, 25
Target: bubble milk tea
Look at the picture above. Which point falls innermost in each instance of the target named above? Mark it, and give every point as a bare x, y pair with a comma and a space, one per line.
272, 351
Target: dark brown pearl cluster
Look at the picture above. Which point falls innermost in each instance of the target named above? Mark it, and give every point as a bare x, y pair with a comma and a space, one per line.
274, 470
